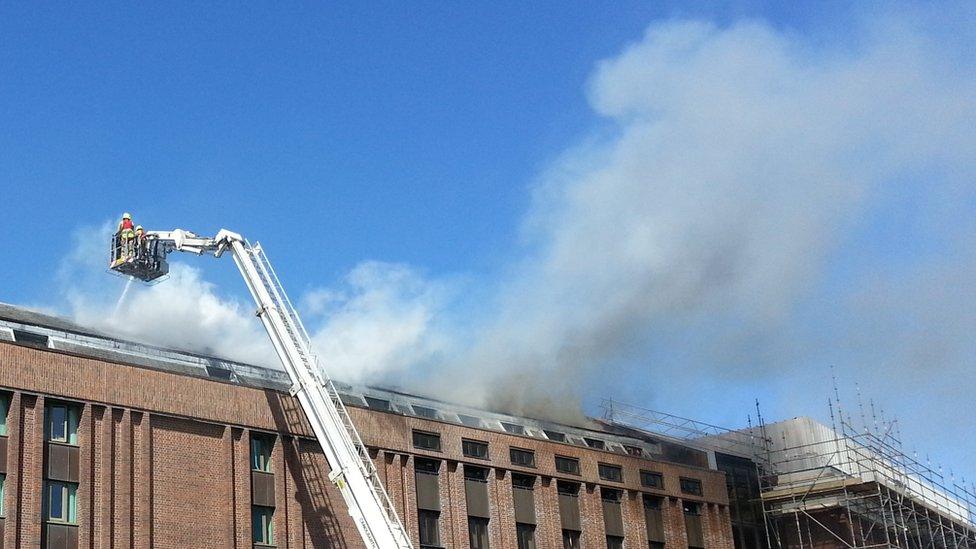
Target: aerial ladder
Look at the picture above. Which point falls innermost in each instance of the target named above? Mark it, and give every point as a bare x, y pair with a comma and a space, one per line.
352, 470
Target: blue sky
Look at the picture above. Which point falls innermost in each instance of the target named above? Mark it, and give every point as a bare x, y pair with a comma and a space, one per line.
682, 207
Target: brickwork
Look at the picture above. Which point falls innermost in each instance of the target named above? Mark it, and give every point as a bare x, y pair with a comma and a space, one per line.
165, 462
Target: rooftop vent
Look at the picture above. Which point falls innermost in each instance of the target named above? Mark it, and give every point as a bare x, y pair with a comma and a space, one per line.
219, 373
378, 404
595, 443
469, 421
30, 338
513, 428
555, 435
423, 411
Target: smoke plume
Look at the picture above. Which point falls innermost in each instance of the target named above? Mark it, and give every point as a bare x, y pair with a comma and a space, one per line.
731, 169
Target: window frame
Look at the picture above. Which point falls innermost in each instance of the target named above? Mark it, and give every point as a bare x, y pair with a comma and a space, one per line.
574, 470
465, 442
684, 482
513, 450
644, 473
70, 424
69, 502
3, 483
482, 522
601, 467
432, 436
5, 400
267, 528
265, 442
436, 518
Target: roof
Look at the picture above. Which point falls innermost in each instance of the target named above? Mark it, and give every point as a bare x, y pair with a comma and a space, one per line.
36, 329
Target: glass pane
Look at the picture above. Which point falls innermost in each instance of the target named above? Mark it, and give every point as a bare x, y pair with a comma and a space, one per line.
73, 413
55, 501
72, 503
3, 480
57, 417
4, 408
269, 527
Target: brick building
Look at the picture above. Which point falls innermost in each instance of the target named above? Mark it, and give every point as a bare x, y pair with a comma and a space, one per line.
108, 443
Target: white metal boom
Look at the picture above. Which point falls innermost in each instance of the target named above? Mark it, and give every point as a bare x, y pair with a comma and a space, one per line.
352, 470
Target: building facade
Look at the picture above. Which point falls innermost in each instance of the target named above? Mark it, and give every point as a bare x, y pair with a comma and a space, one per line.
106, 443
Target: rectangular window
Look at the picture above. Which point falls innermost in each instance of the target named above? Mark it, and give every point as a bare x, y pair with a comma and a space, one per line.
693, 525
62, 423
3, 481
426, 441
634, 451
571, 539
615, 542
595, 443
525, 458
429, 529
655, 545
377, 403
476, 473
61, 502
525, 482
612, 473
691, 486
469, 421
555, 435
474, 448
567, 465
262, 525
478, 532
651, 479
526, 535
513, 428
424, 411
261, 453
4, 409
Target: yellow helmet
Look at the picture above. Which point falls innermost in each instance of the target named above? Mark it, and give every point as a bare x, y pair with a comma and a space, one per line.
126, 215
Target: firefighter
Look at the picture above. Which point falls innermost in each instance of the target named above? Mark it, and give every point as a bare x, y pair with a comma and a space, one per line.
126, 236
140, 241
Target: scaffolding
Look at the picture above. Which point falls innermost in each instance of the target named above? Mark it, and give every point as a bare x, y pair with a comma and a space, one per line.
854, 486
844, 485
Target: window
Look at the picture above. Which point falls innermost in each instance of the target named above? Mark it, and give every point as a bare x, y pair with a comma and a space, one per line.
526, 535
571, 539
469, 421
655, 545
62, 423
377, 403
429, 531
567, 488
651, 479
476, 473
691, 486
513, 428
652, 502
261, 453
426, 441
262, 525
615, 542
692, 508
595, 443
3, 480
474, 448
555, 435
525, 458
61, 502
525, 482
478, 532
4, 408
612, 473
634, 451
424, 411
431, 466
567, 465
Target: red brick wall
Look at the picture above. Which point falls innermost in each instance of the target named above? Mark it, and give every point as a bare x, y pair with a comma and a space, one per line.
165, 463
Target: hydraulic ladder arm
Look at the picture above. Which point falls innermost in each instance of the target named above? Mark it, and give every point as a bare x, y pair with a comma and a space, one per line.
352, 470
